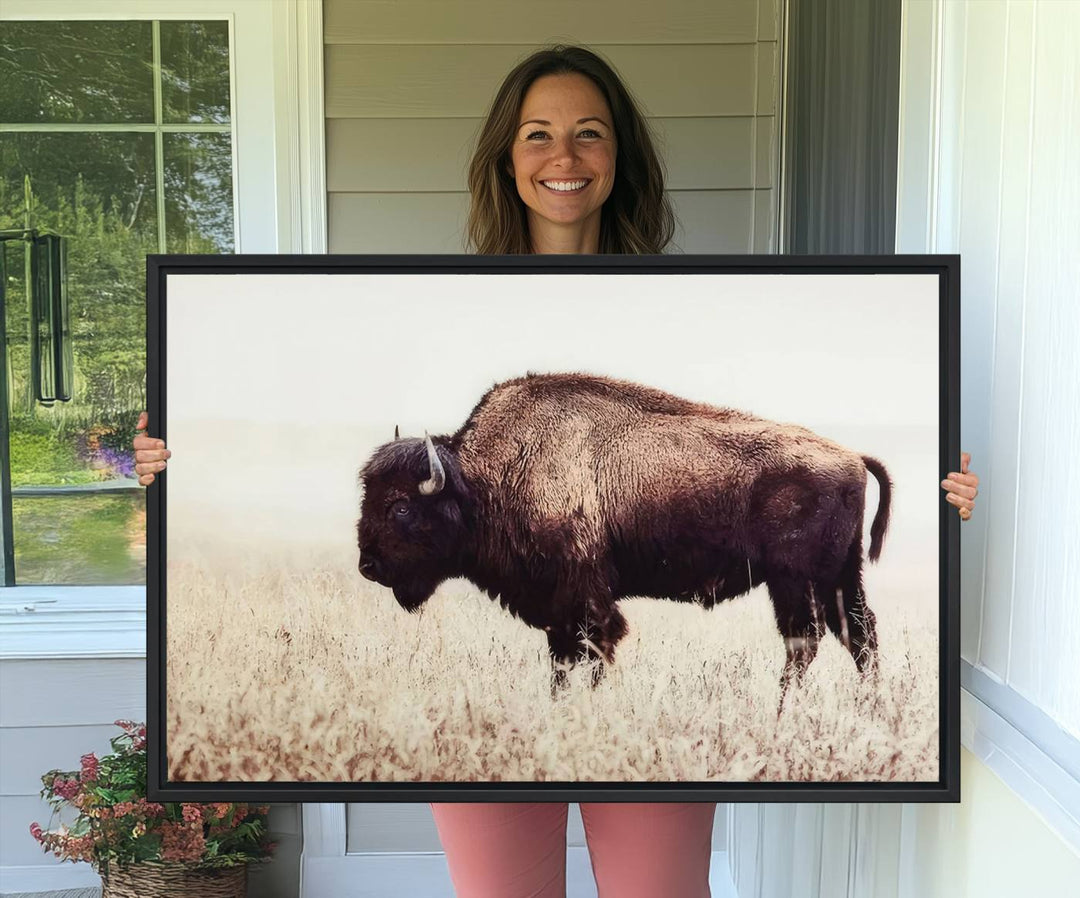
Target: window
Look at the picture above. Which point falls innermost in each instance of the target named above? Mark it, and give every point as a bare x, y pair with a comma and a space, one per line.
116, 135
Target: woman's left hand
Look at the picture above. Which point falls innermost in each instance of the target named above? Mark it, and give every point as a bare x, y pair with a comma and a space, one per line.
962, 487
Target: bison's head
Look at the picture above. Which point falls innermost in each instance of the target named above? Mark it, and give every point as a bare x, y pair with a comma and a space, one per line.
412, 530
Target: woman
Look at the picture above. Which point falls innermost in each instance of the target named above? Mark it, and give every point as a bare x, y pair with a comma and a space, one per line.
565, 164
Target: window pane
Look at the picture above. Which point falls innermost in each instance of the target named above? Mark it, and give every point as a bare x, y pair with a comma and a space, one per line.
76, 72
195, 71
198, 193
81, 540
97, 190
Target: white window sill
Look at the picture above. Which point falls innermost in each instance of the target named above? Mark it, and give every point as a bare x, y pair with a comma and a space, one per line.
73, 622
1043, 772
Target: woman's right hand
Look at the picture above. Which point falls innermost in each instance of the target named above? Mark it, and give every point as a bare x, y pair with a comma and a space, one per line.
150, 453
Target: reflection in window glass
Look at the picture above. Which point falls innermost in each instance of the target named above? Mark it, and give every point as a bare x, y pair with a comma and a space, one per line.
76, 72
84, 539
195, 71
198, 193
99, 189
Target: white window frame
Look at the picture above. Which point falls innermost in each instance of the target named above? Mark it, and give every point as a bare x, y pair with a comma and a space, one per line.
279, 201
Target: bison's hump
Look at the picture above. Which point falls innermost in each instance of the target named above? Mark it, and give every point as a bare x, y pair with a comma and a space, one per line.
566, 437
591, 394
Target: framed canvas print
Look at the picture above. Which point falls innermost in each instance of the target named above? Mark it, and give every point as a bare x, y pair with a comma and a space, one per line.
461, 528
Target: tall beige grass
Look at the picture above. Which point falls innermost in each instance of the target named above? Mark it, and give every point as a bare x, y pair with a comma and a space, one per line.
300, 670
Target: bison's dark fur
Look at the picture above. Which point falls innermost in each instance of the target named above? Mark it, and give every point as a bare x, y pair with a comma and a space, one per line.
563, 493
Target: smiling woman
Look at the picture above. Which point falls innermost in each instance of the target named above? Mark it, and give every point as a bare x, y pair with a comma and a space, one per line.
561, 117
563, 162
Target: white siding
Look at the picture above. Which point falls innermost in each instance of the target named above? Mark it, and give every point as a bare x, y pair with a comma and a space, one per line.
408, 83
52, 713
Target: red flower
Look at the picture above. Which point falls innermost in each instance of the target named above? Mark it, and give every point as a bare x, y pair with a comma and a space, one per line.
89, 768
150, 808
36, 832
66, 789
181, 841
123, 808
192, 813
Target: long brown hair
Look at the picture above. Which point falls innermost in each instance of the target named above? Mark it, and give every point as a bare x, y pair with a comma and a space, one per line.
636, 218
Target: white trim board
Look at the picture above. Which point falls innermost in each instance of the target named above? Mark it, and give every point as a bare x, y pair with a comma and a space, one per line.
301, 133
72, 622
1057, 744
1050, 790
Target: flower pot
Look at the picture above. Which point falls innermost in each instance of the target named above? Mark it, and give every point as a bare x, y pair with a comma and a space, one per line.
173, 880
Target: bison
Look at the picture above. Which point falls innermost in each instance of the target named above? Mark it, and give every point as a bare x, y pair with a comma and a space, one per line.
563, 493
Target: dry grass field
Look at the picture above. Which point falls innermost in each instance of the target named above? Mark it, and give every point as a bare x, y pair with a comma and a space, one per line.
301, 670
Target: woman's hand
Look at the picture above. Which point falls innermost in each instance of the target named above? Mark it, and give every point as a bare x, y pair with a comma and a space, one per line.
962, 487
150, 453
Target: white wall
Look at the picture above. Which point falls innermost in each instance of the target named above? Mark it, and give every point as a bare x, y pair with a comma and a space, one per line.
990, 138
991, 844
1008, 200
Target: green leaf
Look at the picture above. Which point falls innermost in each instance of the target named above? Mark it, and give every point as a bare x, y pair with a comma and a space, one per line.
147, 848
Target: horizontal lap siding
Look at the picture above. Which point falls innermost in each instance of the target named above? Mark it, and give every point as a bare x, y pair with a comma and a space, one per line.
523, 22
708, 221
408, 84
460, 81
380, 155
52, 713
56, 710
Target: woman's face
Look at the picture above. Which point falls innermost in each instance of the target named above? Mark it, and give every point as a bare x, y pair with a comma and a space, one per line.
563, 154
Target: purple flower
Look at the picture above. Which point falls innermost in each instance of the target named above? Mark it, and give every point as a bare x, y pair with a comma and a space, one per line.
119, 461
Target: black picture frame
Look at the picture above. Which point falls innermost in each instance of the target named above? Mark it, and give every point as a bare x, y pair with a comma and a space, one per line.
946, 268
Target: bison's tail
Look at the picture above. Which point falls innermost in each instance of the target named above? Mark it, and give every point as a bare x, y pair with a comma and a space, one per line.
881, 519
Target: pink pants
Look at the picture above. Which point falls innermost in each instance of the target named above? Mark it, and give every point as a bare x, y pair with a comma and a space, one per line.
647, 850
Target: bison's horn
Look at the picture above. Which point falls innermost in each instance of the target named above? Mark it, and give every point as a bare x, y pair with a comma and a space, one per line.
437, 480
396, 435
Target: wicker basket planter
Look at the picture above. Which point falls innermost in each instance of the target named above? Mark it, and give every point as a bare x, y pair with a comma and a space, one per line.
170, 880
